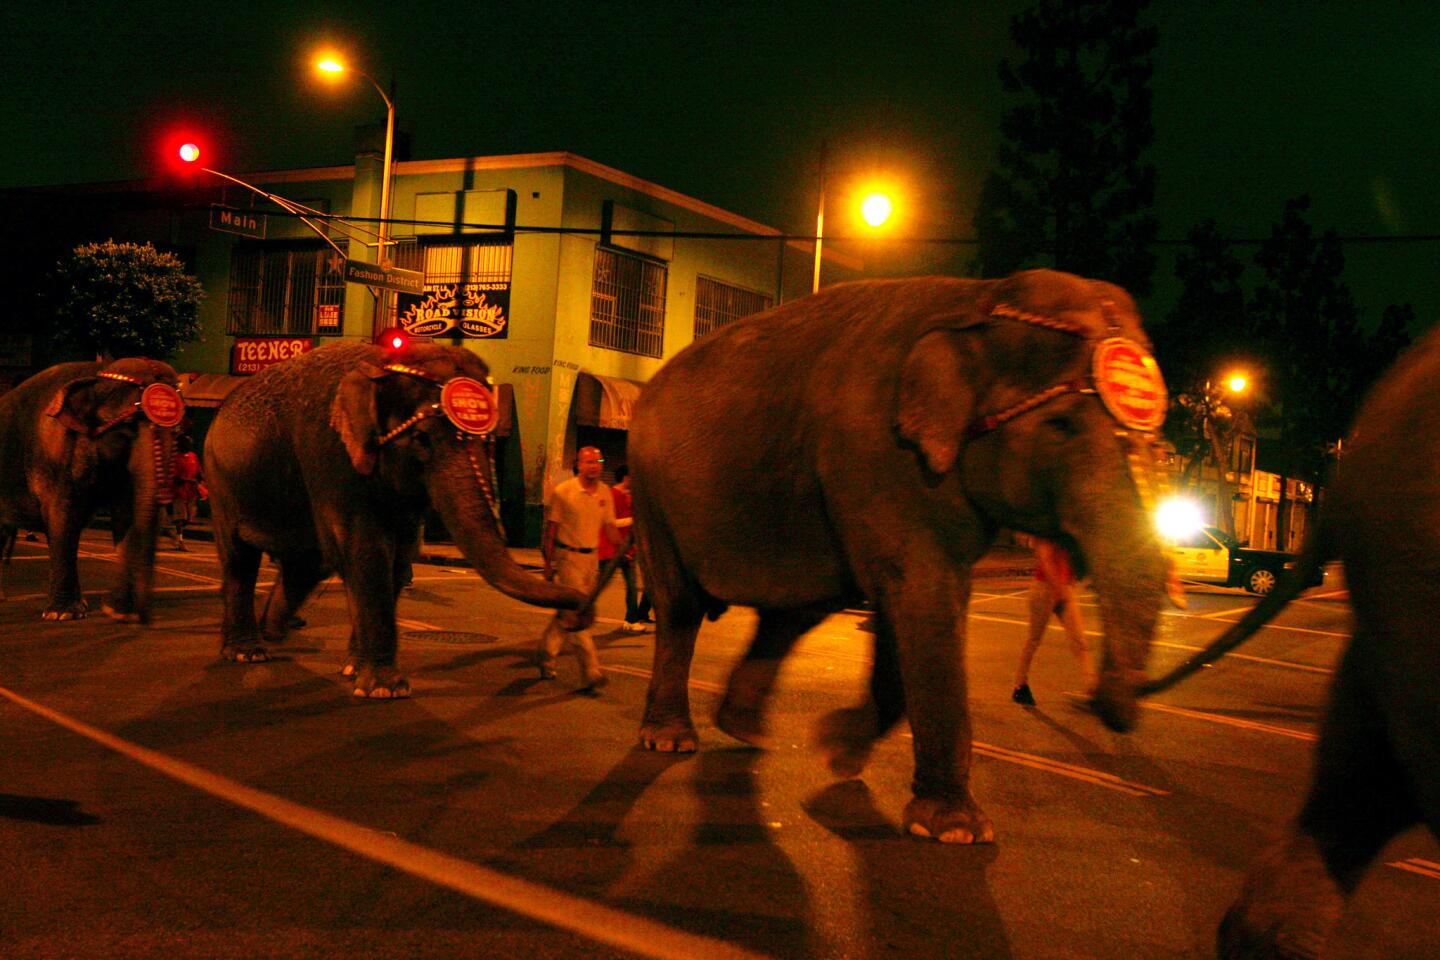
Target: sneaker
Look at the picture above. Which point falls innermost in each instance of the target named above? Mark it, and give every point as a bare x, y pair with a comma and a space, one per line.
547, 667
639, 626
1022, 695
628, 627
595, 683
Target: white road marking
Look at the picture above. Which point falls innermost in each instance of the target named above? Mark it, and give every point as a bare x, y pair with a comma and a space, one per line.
546, 904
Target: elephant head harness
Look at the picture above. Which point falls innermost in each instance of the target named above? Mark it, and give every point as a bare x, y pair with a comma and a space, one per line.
1122, 374
164, 417
456, 394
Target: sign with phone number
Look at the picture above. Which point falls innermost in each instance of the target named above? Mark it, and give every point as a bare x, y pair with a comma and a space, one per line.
253, 354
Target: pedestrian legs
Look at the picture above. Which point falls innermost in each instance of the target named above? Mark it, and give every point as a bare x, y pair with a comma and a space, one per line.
578, 570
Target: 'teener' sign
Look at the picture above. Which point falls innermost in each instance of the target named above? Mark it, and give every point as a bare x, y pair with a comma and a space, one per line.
253, 354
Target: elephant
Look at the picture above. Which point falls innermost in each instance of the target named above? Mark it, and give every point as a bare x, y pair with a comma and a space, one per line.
1377, 768
868, 442
79, 436
328, 462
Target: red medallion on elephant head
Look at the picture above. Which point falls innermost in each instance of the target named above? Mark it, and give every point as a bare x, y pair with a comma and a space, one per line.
1129, 383
470, 405
162, 404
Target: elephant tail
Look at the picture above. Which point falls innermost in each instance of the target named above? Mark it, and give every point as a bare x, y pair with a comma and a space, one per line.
1312, 560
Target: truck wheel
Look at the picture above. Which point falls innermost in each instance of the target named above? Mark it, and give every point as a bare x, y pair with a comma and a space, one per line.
1261, 581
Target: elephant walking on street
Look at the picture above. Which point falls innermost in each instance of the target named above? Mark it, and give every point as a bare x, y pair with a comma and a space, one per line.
1377, 767
868, 442
328, 462
78, 437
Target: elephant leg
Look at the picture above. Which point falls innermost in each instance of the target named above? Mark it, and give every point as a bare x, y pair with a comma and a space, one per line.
299, 574
925, 608
62, 535
370, 585
129, 599
1358, 801
667, 726
741, 713
846, 737
240, 638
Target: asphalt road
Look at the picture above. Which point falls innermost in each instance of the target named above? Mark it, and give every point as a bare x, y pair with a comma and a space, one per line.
155, 802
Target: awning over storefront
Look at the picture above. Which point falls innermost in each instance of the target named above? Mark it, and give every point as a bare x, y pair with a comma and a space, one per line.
207, 389
605, 401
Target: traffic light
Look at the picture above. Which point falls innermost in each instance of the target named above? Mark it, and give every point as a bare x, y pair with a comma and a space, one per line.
185, 153
393, 338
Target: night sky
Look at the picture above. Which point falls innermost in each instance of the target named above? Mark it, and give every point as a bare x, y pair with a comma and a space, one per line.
728, 102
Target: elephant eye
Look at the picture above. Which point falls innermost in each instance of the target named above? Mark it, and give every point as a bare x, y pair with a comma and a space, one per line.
1063, 425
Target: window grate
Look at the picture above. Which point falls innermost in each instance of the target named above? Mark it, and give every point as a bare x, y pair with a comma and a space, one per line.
716, 304
280, 290
627, 304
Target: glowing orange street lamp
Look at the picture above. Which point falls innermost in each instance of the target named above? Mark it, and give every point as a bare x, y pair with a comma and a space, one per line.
332, 66
876, 206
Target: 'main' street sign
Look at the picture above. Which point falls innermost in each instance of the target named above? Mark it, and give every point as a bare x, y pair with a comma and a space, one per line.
243, 222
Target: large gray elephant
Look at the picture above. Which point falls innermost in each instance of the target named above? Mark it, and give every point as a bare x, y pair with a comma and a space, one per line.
868, 442
1377, 768
77, 437
328, 462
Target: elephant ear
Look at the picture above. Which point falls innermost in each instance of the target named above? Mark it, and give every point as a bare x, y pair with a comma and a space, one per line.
355, 416
936, 398
74, 405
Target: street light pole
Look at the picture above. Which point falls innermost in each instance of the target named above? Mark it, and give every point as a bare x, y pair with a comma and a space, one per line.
334, 66
820, 219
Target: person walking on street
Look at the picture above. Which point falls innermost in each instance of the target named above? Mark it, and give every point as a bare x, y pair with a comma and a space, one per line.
637, 599
186, 489
1053, 591
578, 513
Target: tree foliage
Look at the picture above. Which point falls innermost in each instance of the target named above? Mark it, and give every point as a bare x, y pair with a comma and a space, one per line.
123, 299
1318, 359
1073, 190
1297, 333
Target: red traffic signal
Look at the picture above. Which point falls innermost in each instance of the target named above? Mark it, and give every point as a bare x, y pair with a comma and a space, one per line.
183, 152
393, 338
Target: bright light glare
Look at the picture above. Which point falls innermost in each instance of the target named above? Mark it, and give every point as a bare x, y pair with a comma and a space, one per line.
396, 342
1178, 518
876, 209
1238, 384
330, 65
189, 152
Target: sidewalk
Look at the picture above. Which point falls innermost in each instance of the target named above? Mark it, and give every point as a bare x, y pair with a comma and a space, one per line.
999, 563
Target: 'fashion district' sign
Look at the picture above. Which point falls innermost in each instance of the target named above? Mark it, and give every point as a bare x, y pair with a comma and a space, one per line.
478, 309
253, 354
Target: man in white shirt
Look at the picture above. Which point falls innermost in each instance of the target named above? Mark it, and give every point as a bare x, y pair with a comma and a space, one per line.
575, 514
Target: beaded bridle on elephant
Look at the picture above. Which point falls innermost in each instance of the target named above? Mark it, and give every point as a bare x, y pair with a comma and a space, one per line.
487, 488
1139, 446
161, 439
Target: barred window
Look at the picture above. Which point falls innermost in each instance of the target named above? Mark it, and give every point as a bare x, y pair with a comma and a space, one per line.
717, 303
627, 303
282, 290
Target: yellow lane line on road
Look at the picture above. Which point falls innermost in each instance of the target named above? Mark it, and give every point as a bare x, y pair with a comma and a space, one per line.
182, 574
1268, 661
1097, 777
546, 904
1288, 664
416, 625
1089, 775
1220, 718
1425, 868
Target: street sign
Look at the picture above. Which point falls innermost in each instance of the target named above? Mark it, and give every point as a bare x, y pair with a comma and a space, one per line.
384, 277
243, 222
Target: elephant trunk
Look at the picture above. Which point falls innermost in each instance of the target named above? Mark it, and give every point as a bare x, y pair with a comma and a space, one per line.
1127, 570
463, 489
151, 464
